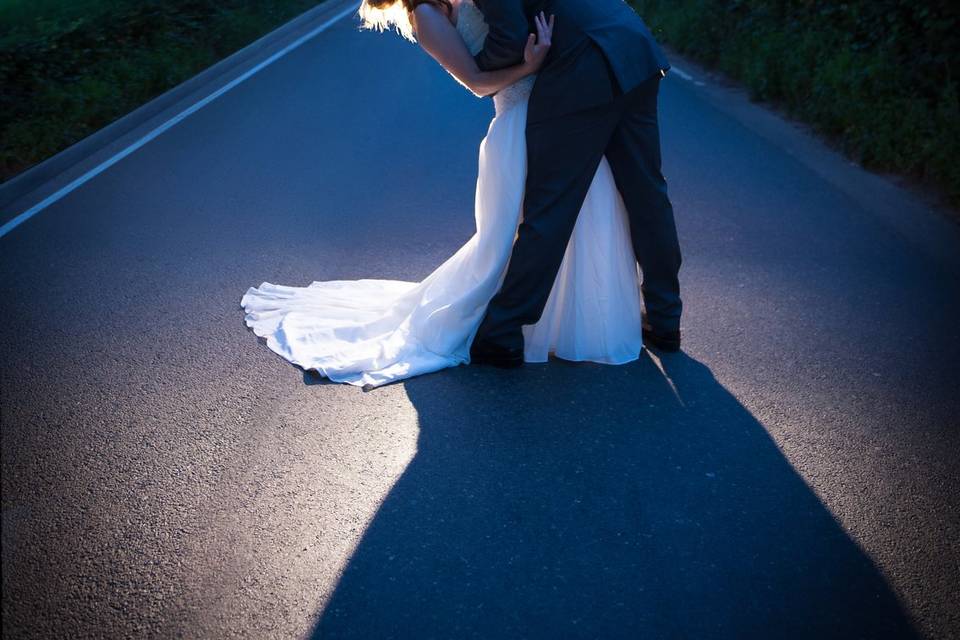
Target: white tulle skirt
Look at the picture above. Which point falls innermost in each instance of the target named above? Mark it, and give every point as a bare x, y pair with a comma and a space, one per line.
372, 332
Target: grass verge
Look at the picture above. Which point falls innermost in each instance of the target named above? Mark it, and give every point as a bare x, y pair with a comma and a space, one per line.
877, 76
70, 68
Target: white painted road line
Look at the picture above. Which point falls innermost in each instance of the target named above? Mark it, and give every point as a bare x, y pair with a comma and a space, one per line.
106, 164
683, 74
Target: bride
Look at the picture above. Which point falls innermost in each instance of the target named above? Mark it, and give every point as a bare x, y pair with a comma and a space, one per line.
371, 332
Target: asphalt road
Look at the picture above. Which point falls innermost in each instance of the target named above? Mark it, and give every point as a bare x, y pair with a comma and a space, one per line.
792, 474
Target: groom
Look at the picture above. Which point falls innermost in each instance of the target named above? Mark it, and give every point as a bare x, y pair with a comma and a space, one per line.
595, 96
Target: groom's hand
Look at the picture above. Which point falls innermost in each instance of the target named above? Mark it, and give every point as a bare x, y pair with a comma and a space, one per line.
507, 37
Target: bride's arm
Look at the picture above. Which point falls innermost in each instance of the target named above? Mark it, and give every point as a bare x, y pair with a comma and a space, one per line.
441, 40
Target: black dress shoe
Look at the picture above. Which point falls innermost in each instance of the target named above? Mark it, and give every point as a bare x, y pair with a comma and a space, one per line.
662, 340
494, 354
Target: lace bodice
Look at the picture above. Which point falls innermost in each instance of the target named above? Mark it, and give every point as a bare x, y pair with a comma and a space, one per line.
473, 29
471, 26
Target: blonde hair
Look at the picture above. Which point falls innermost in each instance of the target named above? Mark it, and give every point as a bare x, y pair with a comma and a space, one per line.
382, 15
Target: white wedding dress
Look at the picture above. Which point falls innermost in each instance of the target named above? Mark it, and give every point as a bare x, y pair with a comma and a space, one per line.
372, 332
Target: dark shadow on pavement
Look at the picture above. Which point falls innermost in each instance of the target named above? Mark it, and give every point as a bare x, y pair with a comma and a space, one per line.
580, 500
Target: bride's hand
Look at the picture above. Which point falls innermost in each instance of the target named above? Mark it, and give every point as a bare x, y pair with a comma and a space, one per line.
538, 44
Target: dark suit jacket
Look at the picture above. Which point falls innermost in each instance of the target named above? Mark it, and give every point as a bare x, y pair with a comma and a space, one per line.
589, 35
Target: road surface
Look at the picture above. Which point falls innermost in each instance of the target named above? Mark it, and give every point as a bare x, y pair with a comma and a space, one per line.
792, 474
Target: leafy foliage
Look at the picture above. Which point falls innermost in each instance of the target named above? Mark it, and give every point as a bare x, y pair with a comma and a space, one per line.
69, 68
880, 76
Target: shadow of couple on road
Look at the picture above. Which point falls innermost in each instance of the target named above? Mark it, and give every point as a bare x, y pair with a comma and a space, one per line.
574, 500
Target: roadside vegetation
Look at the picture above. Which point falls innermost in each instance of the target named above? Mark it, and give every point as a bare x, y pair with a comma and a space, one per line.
69, 68
880, 77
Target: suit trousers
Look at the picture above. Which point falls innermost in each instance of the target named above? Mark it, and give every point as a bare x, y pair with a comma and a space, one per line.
563, 153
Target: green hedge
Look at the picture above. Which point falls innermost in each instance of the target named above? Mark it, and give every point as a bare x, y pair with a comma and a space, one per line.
69, 68
879, 76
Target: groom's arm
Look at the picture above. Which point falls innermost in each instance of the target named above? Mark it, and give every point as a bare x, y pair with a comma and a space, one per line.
507, 36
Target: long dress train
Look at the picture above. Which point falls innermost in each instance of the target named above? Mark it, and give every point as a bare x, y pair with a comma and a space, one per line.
370, 332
